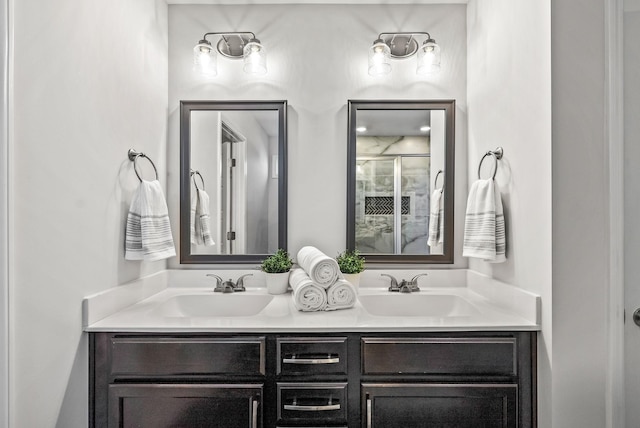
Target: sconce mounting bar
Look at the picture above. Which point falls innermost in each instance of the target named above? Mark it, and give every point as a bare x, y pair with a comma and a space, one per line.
231, 43
402, 44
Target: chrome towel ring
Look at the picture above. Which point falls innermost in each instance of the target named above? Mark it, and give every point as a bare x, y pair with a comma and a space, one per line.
497, 154
196, 172
435, 181
134, 155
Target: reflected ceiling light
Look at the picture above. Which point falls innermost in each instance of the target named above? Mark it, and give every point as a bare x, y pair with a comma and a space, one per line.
235, 45
361, 128
400, 46
425, 128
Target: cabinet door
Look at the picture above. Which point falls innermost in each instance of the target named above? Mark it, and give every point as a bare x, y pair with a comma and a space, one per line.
185, 406
439, 405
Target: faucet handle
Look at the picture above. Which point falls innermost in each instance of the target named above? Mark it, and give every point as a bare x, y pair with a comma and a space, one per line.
240, 282
415, 278
394, 282
218, 281
414, 281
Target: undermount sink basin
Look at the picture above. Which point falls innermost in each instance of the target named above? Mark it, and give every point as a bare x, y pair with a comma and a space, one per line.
213, 305
417, 305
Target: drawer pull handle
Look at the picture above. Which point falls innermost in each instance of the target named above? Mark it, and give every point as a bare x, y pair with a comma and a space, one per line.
328, 360
369, 413
300, 408
254, 413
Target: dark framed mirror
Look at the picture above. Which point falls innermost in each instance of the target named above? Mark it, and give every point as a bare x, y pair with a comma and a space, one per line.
400, 180
233, 180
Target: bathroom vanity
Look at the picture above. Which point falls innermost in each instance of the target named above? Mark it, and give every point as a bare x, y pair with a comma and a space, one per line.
372, 379
467, 360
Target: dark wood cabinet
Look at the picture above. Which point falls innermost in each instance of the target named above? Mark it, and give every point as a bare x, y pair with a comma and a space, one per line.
337, 380
188, 406
440, 405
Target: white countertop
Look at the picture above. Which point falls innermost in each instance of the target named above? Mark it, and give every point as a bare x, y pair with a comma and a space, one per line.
514, 309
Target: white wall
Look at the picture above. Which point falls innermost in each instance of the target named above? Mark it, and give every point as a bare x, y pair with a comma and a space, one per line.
317, 59
90, 81
509, 98
580, 214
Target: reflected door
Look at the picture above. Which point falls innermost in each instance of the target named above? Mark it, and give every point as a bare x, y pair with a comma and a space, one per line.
233, 189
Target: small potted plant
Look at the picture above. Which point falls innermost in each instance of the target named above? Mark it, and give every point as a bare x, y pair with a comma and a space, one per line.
351, 264
277, 267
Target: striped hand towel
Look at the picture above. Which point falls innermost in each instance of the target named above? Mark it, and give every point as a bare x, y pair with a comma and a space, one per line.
436, 221
148, 235
484, 233
200, 228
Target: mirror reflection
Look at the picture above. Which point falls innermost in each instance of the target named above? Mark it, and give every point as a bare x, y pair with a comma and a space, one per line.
233, 174
399, 154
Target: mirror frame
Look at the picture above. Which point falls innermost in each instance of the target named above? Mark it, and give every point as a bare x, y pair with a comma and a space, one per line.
186, 107
449, 107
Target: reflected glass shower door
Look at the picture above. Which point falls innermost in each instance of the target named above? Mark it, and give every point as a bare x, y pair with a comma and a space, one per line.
416, 191
392, 209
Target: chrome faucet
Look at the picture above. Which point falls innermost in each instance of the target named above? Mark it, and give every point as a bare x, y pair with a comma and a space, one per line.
229, 286
404, 286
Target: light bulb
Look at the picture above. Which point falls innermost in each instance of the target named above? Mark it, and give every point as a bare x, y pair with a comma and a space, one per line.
379, 58
255, 57
205, 59
428, 58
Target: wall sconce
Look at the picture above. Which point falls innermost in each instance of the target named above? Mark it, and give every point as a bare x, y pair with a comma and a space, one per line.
233, 45
401, 46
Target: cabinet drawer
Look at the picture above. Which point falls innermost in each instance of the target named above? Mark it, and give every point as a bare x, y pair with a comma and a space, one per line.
312, 403
165, 356
444, 356
317, 355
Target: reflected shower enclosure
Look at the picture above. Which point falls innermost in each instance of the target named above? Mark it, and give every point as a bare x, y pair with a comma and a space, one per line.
392, 188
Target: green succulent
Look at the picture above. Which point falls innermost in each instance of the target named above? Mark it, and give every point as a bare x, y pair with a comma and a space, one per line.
279, 262
350, 261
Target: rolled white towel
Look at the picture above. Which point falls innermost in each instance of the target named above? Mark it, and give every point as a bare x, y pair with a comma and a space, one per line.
322, 269
341, 295
307, 295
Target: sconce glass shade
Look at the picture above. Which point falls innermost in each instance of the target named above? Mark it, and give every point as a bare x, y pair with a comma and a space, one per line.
255, 57
428, 58
205, 59
379, 58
